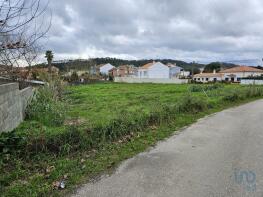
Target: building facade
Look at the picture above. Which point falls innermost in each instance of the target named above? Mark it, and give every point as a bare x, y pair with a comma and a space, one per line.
154, 70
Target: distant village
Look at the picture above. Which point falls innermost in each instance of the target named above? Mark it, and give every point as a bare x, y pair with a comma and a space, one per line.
157, 72
153, 72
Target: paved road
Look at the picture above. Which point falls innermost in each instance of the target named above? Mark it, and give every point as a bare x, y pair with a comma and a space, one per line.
219, 156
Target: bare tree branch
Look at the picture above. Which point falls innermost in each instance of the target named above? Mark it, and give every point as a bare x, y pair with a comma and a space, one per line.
22, 24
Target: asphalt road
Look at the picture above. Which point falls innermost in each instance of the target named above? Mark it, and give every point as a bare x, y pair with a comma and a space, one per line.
219, 156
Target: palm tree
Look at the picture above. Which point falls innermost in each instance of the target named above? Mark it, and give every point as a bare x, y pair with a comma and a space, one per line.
49, 56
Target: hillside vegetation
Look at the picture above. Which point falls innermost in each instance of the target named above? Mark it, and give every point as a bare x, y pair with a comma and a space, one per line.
85, 64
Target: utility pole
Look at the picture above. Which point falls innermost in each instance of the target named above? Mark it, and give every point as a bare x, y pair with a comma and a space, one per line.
193, 69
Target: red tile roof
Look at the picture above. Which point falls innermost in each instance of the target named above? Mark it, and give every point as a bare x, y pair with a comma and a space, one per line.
209, 75
146, 66
241, 69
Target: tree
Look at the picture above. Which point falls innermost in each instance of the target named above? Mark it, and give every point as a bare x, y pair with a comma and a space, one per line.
74, 77
49, 56
22, 24
209, 68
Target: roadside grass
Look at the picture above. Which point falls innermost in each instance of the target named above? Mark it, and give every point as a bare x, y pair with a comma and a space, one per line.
108, 123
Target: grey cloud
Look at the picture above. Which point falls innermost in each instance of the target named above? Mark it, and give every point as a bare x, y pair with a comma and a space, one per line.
206, 30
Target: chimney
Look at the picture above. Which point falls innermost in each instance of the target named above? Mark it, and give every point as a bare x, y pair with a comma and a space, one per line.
201, 70
214, 71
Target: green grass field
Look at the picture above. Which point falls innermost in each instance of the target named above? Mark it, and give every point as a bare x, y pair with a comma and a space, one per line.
105, 124
100, 103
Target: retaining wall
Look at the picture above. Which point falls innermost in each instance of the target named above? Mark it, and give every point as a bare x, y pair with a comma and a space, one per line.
149, 80
13, 103
251, 82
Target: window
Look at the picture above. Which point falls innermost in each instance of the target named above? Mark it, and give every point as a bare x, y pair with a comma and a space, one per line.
198, 79
207, 79
238, 79
215, 79
227, 79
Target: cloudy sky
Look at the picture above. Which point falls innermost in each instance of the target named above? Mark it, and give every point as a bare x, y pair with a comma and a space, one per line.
202, 31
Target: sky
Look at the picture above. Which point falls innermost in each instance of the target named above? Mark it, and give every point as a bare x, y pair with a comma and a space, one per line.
200, 30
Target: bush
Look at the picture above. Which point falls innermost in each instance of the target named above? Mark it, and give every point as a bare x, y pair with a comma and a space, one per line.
254, 91
196, 88
191, 104
46, 107
232, 96
200, 88
243, 93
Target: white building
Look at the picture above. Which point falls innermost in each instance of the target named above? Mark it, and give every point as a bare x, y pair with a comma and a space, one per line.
104, 69
154, 70
237, 73
185, 73
175, 71
232, 75
208, 77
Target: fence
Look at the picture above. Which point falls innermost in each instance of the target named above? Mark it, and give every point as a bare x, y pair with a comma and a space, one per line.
13, 103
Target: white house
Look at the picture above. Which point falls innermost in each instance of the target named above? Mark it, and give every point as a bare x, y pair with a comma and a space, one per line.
154, 70
208, 77
237, 73
104, 69
175, 71
234, 74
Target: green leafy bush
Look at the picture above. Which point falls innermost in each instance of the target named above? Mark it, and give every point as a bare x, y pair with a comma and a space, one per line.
192, 104
245, 92
232, 95
46, 108
200, 88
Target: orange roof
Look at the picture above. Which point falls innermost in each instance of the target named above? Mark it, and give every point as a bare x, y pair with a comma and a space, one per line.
123, 67
146, 66
209, 75
241, 69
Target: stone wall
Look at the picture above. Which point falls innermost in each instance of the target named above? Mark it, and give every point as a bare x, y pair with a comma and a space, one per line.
149, 80
13, 103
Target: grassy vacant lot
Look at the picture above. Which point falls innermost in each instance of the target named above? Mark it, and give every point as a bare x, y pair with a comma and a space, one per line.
105, 124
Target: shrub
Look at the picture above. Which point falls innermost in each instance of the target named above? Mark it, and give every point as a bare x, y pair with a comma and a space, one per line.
200, 88
46, 107
191, 104
254, 91
240, 94
232, 95
196, 88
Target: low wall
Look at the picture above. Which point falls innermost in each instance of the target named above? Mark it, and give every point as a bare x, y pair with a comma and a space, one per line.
251, 82
13, 103
147, 80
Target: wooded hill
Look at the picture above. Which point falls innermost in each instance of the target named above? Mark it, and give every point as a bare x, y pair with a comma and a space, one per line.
86, 64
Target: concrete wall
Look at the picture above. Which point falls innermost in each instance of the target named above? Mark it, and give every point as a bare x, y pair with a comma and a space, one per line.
251, 82
148, 80
13, 103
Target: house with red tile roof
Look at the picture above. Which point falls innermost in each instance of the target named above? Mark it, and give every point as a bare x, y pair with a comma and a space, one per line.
154, 70
208, 77
237, 73
105, 68
234, 74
